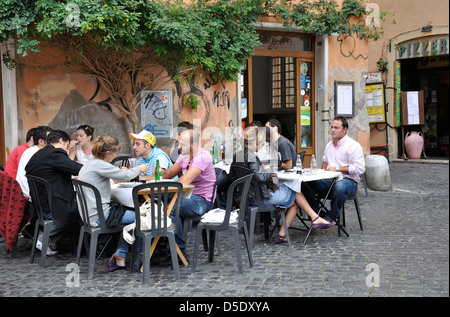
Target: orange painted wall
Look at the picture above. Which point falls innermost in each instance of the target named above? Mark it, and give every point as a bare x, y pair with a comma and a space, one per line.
49, 94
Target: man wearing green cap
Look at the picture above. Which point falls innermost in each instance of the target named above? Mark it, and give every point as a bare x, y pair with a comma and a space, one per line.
145, 149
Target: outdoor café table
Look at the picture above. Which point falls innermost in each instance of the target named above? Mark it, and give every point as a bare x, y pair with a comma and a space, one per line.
123, 195
294, 181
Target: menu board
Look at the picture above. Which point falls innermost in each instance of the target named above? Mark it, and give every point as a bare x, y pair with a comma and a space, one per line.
412, 108
375, 103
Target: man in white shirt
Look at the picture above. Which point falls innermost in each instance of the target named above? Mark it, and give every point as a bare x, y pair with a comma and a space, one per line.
344, 155
40, 141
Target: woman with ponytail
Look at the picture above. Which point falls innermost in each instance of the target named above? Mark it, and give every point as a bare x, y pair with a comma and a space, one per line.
99, 172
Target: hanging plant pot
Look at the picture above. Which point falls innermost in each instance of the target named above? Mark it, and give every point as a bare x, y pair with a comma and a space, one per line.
382, 65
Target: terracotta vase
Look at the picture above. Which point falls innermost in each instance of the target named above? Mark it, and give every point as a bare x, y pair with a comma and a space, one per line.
414, 144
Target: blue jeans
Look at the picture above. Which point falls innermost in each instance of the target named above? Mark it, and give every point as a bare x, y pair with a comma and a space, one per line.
189, 207
339, 193
123, 246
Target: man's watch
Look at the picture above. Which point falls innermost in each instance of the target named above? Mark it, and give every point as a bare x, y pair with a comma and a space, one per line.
338, 169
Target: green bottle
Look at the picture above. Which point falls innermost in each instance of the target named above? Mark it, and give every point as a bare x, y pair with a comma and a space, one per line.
215, 155
157, 171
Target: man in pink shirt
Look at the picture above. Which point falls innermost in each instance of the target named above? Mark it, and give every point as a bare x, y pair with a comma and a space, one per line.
14, 158
195, 163
344, 155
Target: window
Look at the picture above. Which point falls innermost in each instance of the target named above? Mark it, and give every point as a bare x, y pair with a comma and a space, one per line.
283, 82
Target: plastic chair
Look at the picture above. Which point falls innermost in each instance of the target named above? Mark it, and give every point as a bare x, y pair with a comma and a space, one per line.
82, 188
215, 201
121, 161
243, 185
161, 198
41, 197
240, 171
342, 213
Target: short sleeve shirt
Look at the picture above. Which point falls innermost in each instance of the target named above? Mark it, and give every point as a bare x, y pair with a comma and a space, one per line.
287, 150
204, 183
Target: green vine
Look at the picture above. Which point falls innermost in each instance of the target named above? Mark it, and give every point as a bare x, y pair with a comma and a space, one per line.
191, 101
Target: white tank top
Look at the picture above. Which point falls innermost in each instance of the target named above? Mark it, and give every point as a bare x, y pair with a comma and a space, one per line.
81, 157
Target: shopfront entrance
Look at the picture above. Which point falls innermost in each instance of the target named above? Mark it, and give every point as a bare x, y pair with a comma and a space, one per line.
424, 65
279, 83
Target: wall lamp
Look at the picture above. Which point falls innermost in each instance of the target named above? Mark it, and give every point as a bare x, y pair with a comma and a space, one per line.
427, 28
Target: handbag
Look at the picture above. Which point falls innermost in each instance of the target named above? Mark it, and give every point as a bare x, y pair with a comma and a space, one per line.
273, 182
145, 211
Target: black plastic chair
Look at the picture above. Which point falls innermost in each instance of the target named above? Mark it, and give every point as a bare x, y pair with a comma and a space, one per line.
273, 211
41, 197
242, 184
121, 161
82, 188
161, 198
187, 221
342, 213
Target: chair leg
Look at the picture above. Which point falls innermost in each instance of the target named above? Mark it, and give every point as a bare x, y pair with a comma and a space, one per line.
80, 244
341, 219
35, 238
146, 259
253, 212
173, 254
283, 220
247, 244
91, 259
358, 213
45, 238
212, 240
198, 236
237, 248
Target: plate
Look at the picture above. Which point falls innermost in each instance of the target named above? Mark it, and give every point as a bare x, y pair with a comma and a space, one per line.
129, 185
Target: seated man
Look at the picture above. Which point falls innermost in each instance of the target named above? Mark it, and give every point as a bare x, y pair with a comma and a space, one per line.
198, 170
53, 164
40, 141
344, 155
12, 163
285, 147
145, 149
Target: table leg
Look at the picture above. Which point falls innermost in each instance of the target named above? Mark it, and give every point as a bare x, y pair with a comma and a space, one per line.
324, 208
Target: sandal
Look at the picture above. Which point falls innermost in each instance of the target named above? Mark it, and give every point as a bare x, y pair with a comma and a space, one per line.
112, 266
280, 239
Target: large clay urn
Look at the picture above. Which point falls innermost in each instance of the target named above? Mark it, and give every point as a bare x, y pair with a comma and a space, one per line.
414, 144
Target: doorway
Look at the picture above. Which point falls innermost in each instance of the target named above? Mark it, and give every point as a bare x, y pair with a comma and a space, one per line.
280, 86
420, 74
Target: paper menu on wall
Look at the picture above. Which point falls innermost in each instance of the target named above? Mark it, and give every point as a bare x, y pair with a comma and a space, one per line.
413, 107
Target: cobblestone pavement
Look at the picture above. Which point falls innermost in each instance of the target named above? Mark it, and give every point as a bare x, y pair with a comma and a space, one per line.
405, 240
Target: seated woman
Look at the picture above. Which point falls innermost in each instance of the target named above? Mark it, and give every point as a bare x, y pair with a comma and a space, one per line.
283, 197
99, 172
81, 149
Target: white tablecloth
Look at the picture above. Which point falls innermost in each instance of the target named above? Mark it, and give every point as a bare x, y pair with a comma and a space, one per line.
124, 195
294, 181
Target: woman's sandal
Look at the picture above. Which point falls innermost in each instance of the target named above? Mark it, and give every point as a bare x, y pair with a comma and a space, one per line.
112, 266
280, 239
